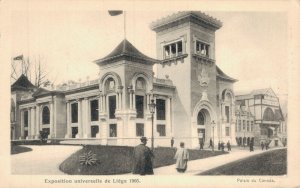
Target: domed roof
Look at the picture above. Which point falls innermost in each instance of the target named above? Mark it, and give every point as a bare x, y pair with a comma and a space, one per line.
126, 51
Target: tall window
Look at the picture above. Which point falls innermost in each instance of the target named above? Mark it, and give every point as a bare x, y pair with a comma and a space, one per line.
161, 129
252, 126
227, 113
25, 118
239, 125
94, 110
200, 119
139, 129
74, 111
248, 126
244, 125
113, 130
202, 48
112, 106
139, 105
160, 109
227, 130
172, 50
46, 115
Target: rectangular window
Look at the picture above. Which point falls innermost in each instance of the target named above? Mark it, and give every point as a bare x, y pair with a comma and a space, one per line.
244, 125
94, 110
113, 130
25, 118
252, 126
202, 48
240, 126
227, 113
139, 129
173, 50
248, 126
139, 105
74, 112
227, 130
161, 129
112, 106
160, 109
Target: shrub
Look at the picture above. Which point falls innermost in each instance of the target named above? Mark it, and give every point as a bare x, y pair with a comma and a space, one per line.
88, 159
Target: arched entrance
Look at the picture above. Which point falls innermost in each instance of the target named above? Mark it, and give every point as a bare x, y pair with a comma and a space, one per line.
203, 121
202, 127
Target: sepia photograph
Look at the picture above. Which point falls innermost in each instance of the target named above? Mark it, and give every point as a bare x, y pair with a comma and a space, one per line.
122, 96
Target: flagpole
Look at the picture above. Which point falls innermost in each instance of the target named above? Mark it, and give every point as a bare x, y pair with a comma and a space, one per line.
124, 25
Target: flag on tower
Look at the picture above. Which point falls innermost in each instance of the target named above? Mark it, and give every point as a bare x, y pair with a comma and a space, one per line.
115, 12
20, 57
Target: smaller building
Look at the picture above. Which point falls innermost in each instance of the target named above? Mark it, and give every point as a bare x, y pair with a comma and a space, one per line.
259, 118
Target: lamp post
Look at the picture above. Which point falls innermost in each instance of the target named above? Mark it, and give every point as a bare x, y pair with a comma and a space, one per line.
213, 126
152, 106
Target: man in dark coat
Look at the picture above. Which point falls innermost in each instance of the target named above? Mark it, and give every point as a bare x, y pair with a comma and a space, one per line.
228, 146
142, 159
262, 145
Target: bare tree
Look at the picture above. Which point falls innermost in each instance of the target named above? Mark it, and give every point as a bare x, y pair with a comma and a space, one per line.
21, 66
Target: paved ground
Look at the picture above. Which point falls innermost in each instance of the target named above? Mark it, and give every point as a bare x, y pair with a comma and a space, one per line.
201, 165
45, 160
42, 160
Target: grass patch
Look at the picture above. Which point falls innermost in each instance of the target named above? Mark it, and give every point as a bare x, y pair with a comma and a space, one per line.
15, 149
118, 159
269, 163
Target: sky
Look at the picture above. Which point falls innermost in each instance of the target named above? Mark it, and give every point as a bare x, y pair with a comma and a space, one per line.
251, 46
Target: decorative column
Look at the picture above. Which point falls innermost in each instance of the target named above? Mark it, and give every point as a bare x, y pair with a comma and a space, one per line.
68, 135
154, 118
79, 134
29, 124
33, 123
54, 117
133, 99
37, 121
130, 99
168, 117
86, 119
51, 120
22, 124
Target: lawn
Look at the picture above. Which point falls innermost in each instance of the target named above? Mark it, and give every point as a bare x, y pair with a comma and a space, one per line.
269, 163
15, 149
118, 159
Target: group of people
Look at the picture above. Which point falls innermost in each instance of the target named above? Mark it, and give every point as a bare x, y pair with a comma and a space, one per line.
143, 156
264, 145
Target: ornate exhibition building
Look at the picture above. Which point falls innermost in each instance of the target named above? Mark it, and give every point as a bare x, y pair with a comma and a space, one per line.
194, 98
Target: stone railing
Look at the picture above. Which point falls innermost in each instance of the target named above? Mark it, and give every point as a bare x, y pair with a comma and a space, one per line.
163, 81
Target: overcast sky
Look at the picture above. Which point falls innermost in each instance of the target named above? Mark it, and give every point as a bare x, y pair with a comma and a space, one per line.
251, 47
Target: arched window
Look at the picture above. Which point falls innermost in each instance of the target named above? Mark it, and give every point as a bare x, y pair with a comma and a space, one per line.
46, 115
268, 115
200, 118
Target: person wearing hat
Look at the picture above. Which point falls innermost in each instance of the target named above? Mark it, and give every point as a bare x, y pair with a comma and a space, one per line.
182, 157
142, 159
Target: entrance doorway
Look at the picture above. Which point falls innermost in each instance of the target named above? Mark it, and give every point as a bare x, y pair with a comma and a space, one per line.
203, 120
201, 134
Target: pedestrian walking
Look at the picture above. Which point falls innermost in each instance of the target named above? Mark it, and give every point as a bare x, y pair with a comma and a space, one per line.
142, 162
172, 142
222, 146
182, 157
210, 143
219, 146
262, 145
228, 146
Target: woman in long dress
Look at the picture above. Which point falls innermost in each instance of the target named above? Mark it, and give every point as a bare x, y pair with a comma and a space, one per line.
182, 157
